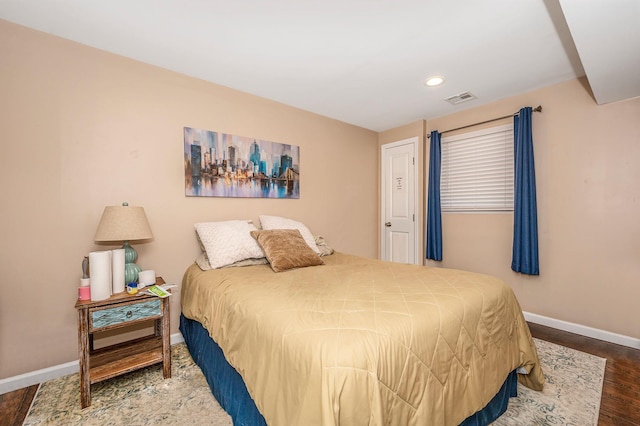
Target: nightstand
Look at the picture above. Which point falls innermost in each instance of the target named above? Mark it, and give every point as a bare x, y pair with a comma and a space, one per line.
121, 310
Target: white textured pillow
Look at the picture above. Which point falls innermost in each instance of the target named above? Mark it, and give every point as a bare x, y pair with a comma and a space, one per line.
203, 262
277, 222
228, 242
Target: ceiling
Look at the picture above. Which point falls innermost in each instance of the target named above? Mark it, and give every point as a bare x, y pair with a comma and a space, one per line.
363, 62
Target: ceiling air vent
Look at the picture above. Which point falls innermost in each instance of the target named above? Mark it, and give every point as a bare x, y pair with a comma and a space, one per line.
460, 98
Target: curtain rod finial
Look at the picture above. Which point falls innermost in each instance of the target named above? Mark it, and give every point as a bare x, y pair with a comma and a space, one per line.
538, 108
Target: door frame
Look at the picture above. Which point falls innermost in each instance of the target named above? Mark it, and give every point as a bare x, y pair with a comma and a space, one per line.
415, 141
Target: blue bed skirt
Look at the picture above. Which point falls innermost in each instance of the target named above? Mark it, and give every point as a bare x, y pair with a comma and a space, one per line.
229, 389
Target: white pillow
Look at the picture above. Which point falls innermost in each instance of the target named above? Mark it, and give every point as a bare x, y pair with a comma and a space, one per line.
203, 262
276, 222
228, 242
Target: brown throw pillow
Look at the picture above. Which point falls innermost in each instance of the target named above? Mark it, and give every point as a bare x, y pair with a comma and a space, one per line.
286, 249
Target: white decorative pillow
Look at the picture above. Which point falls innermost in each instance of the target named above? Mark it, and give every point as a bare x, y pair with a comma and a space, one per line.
203, 262
277, 222
228, 242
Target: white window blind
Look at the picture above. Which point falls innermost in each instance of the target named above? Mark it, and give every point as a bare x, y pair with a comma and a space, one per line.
477, 171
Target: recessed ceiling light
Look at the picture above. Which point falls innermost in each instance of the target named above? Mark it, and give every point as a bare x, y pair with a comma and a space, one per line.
436, 80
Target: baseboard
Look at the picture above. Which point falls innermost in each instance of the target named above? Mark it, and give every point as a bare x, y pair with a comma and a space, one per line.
39, 376
583, 330
176, 338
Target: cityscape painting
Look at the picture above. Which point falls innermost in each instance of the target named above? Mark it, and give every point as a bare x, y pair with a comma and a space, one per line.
222, 165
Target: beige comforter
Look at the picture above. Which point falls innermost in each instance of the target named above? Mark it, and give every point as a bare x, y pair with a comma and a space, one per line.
364, 342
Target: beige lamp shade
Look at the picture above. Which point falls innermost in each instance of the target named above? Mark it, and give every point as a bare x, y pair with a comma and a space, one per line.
123, 223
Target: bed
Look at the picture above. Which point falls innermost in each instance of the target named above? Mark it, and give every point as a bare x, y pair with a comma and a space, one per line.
351, 340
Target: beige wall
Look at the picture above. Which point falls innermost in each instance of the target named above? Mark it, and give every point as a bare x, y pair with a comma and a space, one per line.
81, 129
588, 183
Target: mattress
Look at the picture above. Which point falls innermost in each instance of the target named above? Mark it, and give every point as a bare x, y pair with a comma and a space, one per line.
362, 341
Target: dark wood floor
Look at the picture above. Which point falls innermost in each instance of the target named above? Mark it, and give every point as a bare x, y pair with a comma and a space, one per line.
620, 404
14, 406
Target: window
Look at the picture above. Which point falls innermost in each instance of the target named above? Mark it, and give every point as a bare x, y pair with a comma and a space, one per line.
477, 171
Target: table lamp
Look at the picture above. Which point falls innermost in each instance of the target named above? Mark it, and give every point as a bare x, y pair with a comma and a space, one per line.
124, 223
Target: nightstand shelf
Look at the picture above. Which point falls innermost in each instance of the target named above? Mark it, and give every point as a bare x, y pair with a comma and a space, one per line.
123, 358
118, 311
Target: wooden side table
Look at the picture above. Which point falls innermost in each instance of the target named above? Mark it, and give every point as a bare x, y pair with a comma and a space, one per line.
121, 310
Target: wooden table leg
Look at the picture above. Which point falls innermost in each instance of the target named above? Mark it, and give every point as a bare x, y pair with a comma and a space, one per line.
166, 339
83, 356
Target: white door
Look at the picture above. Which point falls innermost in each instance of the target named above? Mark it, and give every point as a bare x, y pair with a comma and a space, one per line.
399, 199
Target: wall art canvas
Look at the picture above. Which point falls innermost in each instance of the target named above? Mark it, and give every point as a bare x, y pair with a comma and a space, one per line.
223, 165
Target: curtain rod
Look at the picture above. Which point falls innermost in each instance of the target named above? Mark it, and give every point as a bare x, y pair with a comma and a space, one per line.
536, 109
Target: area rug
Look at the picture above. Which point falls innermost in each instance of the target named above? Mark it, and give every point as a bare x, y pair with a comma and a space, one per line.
571, 395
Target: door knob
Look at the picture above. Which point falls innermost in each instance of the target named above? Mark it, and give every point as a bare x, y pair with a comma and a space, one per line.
388, 224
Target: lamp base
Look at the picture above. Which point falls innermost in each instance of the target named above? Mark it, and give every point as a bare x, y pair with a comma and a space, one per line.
131, 270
